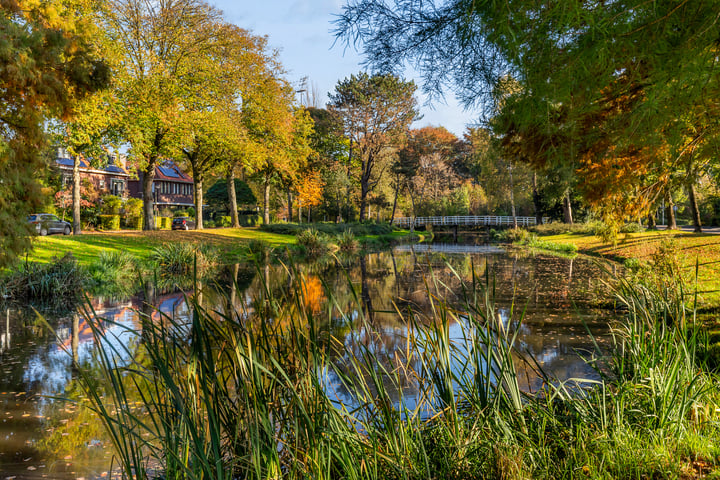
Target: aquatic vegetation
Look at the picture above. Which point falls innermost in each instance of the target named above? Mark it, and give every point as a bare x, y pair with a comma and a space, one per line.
245, 394
183, 258
313, 243
347, 242
58, 284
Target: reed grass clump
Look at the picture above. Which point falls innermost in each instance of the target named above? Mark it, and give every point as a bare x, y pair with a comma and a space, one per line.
313, 243
272, 393
57, 284
347, 242
183, 258
109, 268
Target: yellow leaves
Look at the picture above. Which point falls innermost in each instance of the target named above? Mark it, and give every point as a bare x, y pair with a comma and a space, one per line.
310, 189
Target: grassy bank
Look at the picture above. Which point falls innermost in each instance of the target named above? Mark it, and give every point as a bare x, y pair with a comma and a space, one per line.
638, 250
252, 394
231, 243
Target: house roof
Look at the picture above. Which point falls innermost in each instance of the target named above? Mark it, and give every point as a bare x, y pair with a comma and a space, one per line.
168, 171
64, 162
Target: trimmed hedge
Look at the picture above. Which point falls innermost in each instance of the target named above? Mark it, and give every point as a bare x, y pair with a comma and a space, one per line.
250, 220
163, 223
109, 222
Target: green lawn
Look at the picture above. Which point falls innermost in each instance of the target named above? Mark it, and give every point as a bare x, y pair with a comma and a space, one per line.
688, 249
87, 246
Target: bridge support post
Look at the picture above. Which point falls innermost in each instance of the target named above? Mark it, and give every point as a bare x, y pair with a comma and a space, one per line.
455, 233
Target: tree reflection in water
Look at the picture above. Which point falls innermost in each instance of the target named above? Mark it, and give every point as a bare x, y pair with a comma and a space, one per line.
364, 303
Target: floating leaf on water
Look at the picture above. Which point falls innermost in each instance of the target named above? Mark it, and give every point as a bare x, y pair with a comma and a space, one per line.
31, 468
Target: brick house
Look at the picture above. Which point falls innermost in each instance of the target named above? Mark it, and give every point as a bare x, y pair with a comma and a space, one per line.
112, 178
172, 187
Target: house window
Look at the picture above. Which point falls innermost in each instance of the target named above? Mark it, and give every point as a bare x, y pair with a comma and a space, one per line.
102, 183
117, 187
67, 179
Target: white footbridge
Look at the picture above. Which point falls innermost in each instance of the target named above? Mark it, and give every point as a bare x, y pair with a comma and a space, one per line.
467, 220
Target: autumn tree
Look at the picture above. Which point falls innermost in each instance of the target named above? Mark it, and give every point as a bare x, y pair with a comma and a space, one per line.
376, 111
162, 47
612, 76
48, 63
330, 158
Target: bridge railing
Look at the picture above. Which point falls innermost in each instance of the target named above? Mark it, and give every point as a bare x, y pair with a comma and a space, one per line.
467, 220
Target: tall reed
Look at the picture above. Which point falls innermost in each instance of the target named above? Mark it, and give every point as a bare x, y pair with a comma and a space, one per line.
263, 393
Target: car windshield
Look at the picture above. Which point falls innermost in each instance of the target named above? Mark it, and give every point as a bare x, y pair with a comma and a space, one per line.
32, 218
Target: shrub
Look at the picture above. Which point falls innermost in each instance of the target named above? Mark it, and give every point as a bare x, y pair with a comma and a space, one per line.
109, 222
111, 205
225, 221
112, 268
58, 284
163, 223
250, 220
313, 242
347, 242
209, 224
133, 213
632, 227
181, 213
181, 258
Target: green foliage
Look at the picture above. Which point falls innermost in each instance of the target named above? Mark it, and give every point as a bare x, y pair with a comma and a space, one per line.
133, 213
183, 258
249, 220
347, 242
112, 271
57, 284
358, 229
313, 243
232, 390
375, 111
109, 222
163, 223
217, 195
224, 221
49, 62
111, 204
533, 241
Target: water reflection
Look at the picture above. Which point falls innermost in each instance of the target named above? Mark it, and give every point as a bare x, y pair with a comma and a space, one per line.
361, 299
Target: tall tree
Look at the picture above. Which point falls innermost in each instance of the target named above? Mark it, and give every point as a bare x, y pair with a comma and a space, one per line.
376, 111
48, 62
162, 46
620, 73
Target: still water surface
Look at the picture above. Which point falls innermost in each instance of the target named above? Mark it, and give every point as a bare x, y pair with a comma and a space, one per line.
43, 437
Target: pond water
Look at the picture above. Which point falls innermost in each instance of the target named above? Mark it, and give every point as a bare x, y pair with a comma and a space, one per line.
42, 436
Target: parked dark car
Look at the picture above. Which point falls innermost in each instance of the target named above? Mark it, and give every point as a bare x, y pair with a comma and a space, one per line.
46, 223
183, 223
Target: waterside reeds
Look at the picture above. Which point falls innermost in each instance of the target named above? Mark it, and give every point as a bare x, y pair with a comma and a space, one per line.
263, 391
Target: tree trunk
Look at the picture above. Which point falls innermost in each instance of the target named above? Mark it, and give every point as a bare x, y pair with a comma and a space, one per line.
363, 199
694, 208
412, 220
670, 211
77, 229
512, 196
232, 198
266, 200
652, 224
198, 201
392, 215
289, 205
148, 198
567, 208
536, 201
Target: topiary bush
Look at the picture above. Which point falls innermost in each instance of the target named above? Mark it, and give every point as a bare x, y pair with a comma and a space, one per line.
109, 222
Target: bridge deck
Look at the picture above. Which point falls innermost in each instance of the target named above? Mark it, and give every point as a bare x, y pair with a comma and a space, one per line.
467, 220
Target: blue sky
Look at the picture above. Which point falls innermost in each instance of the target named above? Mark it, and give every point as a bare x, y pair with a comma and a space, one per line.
301, 31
